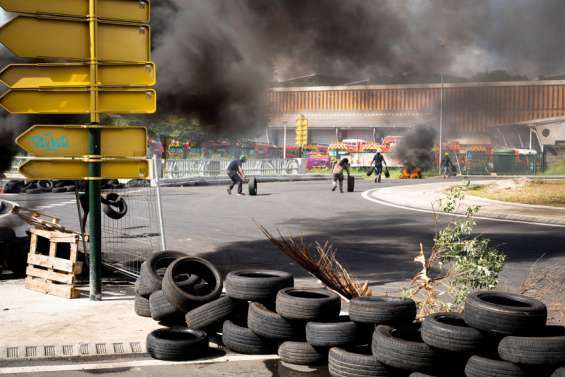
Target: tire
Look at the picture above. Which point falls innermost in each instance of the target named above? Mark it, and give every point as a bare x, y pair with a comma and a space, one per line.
332, 334
243, 340
252, 186
177, 344
301, 353
33, 191
449, 332
153, 269
141, 306
478, 366
161, 309
382, 310
308, 304
186, 298
114, 206
403, 349
13, 187
418, 374
211, 313
541, 350
559, 372
57, 190
350, 183
356, 363
505, 313
45, 186
271, 325
257, 285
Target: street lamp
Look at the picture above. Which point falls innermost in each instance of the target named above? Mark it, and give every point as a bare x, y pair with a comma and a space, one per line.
284, 139
442, 43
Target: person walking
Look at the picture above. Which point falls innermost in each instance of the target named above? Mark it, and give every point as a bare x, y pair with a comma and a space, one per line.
378, 161
338, 169
236, 174
446, 165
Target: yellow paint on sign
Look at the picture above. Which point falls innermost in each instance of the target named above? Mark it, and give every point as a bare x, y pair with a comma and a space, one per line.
119, 10
30, 76
77, 101
30, 37
72, 141
78, 169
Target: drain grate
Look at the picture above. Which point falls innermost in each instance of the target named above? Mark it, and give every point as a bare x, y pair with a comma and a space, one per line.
119, 348
12, 352
83, 350
67, 350
31, 351
100, 348
135, 347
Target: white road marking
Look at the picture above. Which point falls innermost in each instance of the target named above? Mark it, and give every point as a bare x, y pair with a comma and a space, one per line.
131, 364
55, 205
367, 196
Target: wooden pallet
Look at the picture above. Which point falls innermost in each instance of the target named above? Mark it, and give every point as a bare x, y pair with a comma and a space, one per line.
49, 271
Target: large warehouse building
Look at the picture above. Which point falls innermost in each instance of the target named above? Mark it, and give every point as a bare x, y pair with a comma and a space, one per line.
371, 112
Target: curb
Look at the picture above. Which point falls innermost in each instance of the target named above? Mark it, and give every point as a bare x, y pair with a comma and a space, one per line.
201, 181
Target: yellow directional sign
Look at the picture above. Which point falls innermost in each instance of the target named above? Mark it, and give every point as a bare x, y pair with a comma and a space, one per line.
77, 101
30, 76
72, 141
30, 37
78, 169
119, 10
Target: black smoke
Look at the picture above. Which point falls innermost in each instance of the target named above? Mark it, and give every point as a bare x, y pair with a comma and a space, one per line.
415, 148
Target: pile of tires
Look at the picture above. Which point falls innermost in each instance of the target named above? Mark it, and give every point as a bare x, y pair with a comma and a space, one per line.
38, 187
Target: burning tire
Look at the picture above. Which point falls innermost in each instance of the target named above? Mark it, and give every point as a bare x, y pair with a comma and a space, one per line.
308, 304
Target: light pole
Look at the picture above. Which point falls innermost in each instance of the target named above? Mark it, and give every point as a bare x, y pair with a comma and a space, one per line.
440, 124
284, 139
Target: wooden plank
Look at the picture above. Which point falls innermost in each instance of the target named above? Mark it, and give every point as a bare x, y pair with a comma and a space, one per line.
33, 244
61, 277
50, 262
55, 236
61, 290
78, 268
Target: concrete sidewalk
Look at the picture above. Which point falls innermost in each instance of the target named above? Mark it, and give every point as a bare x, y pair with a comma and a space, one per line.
426, 196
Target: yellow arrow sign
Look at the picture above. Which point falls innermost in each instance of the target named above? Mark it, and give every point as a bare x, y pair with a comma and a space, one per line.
78, 169
29, 76
120, 10
77, 101
72, 141
31, 37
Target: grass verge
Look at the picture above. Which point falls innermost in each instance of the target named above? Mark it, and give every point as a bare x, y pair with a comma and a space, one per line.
537, 191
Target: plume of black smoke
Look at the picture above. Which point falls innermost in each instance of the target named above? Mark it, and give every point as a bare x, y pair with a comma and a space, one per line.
415, 148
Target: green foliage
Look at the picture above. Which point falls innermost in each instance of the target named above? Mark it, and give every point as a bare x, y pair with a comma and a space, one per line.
556, 169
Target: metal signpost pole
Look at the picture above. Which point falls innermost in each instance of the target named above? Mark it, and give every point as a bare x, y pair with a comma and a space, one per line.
440, 125
94, 215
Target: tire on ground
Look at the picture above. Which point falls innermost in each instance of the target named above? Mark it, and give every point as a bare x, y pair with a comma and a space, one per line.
141, 306
357, 362
301, 353
382, 310
403, 349
177, 344
162, 309
478, 366
449, 332
211, 313
243, 340
271, 325
153, 269
308, 304
540, 350
257, 285
252, 186
505, 313
186, 298
341, 332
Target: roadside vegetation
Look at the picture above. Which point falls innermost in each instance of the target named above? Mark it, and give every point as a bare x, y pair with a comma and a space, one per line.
550, 192
556, 169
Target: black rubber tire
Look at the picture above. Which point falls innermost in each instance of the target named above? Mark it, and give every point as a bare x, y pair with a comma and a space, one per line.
177, 344
114, 206
403, 349
271, 325
356, 363
253, 186
243, 340
141, 306
45, 186
13, 187
540, 350
301, 353
418, 374
559, 372
382, 310
153, 269
478, 366
449, 332
162, 309
211, 313
350, 183
308, 304
33, 191
186, 298
505, 313
342, 332
57, 190
257, 285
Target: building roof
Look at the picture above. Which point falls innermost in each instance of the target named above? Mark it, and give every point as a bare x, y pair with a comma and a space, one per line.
353, 120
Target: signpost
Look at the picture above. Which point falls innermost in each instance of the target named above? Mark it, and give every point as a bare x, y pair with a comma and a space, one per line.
109, 44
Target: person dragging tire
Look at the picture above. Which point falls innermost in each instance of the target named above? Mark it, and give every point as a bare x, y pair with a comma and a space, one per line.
446, 165
378, 160
236, 174
338, 169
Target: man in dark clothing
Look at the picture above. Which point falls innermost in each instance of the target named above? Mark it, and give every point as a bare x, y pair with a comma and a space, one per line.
446, 164
338, 169
236, 174
379, 160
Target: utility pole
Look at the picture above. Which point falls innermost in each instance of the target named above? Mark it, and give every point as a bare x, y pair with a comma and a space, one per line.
440, 125
284, 139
